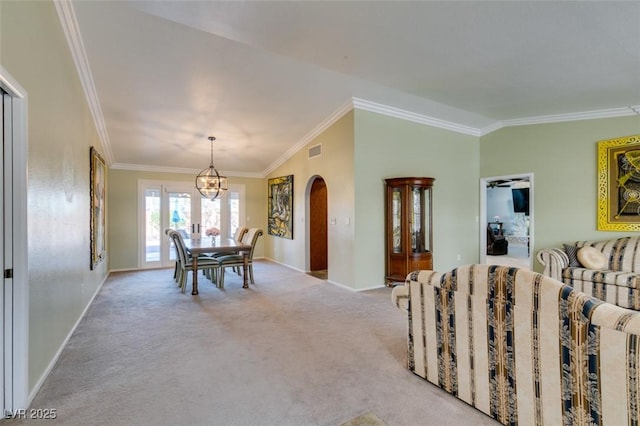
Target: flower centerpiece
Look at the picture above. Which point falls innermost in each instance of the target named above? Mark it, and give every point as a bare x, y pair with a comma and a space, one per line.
212, 232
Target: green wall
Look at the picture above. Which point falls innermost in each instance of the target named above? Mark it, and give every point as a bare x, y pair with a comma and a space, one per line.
123, 211
60, 132
562, 157
390, 147
335, 166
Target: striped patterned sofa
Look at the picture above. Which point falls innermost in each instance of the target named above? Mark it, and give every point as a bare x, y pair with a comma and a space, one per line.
522, 347
619, 283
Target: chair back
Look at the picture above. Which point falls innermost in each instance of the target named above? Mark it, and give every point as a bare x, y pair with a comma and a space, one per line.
169, 233
180, 247
491, 237
251, 237
240, 232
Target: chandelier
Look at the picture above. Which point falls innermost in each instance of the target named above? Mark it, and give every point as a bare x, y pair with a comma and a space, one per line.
209, 183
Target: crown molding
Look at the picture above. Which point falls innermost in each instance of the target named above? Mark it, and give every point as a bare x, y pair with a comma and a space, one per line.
324, 125
558, 118
67, 17
179, 170
69, 23
414, 117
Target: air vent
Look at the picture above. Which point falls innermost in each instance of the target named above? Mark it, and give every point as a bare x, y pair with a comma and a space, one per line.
315, 151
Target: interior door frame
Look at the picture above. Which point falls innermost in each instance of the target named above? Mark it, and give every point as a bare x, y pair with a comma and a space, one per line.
483, 213
313, 216
307, 224
15, 298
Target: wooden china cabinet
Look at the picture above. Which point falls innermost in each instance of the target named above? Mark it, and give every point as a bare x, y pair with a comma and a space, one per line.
409, 239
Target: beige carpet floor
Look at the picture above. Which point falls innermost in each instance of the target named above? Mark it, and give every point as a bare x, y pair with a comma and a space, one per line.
291, 350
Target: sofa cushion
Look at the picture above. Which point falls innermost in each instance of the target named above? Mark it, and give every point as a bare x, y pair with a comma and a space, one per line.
592, 258
572, 254
623, 254
618, 288
622, 279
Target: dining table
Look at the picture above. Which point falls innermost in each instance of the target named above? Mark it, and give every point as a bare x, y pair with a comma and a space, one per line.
218, 245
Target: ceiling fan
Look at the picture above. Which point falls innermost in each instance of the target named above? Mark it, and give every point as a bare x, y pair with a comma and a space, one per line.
508, 183
500, 183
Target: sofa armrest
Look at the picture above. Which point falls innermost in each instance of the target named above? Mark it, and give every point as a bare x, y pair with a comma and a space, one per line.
400, 297
554, 261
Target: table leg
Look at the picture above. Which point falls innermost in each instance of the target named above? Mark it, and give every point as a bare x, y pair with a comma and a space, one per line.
194, 288
245, 270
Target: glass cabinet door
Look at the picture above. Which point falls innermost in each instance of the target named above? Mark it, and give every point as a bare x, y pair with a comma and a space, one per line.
396, 220
420, 232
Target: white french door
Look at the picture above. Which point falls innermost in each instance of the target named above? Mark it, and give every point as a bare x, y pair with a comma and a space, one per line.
14, 293
180, 206
5, 312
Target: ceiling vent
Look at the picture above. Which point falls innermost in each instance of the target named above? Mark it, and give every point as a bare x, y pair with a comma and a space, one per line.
315, 151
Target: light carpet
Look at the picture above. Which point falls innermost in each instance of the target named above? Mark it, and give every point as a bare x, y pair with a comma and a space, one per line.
290, 350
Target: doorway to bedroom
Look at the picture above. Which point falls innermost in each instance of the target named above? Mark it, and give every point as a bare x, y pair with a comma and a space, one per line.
506, 220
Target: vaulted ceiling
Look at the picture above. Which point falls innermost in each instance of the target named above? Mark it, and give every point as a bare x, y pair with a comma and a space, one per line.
263, 76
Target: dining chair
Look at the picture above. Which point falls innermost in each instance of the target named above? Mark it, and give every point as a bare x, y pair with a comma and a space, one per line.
168, 232
238, 235
186, 261
240, 231
237, 260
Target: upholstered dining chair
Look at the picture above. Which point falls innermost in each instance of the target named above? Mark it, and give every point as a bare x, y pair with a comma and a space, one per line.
240, 231
186, 262
168, 232
237, 260
238, 235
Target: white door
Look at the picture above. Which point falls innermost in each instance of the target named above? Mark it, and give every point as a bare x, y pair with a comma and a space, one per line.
14, 293
5, 313
180, 206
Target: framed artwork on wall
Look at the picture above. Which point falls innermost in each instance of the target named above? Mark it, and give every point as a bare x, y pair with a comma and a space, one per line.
97, 195
280, 220
619, 184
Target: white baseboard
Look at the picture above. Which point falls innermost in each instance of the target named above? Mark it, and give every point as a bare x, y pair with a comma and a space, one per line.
329, 281
284, 264
372, 288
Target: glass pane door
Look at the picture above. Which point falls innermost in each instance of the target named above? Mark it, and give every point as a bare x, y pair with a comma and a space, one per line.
152, 231
178, 212
163, 206
179, 206
210, 216
234, 212
223, 213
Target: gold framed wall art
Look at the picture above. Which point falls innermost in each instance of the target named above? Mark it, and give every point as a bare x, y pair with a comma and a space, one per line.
97, 195
619, 184
280, 220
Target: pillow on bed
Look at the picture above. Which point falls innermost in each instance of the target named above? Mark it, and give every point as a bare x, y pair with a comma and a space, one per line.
592, 258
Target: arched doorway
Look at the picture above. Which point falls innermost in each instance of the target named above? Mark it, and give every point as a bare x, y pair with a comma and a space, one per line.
318, 235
